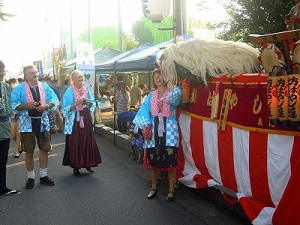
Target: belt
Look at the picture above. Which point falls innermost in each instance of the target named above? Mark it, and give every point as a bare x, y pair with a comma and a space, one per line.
36, 117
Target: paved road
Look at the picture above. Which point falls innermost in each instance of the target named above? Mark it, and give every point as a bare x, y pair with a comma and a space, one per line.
114, 194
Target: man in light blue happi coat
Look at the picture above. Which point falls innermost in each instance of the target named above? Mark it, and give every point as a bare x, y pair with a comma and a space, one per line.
33, 100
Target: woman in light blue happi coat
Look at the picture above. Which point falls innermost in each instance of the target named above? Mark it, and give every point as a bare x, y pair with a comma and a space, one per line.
161, 150
81, 150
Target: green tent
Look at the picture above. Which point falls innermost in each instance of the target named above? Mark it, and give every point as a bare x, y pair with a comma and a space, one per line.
102, 55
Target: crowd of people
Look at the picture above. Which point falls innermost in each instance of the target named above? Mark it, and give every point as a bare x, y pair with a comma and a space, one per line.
24, 115
128, 99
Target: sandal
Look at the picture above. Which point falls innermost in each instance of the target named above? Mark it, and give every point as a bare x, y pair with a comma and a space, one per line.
152, 193
170, 198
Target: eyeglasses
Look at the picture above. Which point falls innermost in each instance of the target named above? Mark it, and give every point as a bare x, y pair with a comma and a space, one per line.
34, 73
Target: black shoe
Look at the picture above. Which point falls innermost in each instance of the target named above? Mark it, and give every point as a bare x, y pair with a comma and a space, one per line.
29, 183
12, 192
89, 169
8, 191
152, 193
46, 181
170, 198
76, 173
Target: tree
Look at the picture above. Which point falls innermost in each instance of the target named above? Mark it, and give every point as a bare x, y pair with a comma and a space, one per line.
3, 15
108, 37
253, 17
102, 37
128, 42
144, 31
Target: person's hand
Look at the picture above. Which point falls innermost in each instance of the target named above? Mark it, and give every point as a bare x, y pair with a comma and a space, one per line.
164, 78
289, 20
168, 82
80, 101
39, 107
31, 105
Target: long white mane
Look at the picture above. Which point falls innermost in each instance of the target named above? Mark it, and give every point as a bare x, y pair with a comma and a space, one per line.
208, 58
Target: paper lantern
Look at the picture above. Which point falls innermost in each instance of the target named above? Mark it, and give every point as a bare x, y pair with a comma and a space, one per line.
156, 10
282, 91
272, 100
294, 98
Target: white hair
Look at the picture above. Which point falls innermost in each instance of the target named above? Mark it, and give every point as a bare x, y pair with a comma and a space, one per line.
208, 58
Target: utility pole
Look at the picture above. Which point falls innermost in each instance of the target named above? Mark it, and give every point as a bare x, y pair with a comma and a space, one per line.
61, 27
178, 17
183, 16
174, 21
120, 38
71, 28
89, 23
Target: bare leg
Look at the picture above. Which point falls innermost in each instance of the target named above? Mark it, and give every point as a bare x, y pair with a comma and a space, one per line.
43, 157
18, 143
29, 161
153, 191
18, 138
59, 120
172, 180
13, 128
154, 175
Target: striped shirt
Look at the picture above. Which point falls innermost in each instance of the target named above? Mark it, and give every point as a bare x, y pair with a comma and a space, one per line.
123, 101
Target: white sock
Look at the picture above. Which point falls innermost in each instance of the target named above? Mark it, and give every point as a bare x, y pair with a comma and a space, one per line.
43, 172
30, 174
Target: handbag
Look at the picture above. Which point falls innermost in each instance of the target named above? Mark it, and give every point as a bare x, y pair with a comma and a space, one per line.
147, 133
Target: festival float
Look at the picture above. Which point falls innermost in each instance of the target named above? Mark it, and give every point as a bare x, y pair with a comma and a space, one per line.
240, 121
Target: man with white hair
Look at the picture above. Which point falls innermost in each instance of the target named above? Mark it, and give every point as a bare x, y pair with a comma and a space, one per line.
33, 100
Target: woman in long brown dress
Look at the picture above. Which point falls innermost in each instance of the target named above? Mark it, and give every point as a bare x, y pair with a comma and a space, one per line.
81, 150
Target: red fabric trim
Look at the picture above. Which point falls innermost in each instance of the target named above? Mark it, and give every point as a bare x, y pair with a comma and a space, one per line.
258, 143
287, 211
198, 153
226, 163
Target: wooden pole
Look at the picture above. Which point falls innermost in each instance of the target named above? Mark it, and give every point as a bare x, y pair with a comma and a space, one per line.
174, 21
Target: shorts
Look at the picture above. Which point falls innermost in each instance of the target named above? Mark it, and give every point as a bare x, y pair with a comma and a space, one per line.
28, 141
